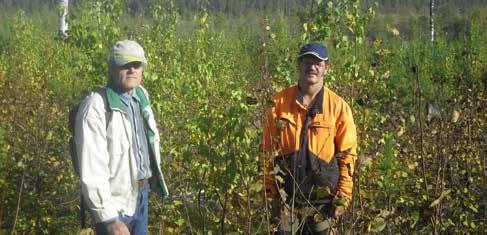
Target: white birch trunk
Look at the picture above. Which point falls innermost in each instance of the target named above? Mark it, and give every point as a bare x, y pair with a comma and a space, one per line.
63, 19
432, 23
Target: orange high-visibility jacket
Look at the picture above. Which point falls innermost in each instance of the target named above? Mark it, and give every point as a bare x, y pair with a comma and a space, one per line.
331, 137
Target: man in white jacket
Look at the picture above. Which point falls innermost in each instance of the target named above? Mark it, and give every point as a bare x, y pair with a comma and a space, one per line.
117, 146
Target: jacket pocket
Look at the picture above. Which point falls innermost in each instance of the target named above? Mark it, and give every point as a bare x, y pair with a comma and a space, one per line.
321, 140
120, 185
288, 131
119, 167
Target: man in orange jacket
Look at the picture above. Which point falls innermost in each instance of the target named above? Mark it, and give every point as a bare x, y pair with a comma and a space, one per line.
310, 146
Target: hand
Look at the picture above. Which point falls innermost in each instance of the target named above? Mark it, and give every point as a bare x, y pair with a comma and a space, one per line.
117, 228
340, 205
270, 192
339, 210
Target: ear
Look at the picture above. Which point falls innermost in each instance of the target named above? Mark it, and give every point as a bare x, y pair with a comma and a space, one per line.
327, 67
112, 72
298, 62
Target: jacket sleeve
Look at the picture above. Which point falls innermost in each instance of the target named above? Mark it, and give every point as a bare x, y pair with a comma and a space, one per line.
92, 153
267, 147
346, 149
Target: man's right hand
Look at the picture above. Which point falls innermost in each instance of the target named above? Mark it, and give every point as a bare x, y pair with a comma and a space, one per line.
269, 192
117, 228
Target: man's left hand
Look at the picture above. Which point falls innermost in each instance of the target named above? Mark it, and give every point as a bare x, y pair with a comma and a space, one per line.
339, 210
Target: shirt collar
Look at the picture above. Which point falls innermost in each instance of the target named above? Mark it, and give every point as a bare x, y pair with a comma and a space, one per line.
318, 103
126, 98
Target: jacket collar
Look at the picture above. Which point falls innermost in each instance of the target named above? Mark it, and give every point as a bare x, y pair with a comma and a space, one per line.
114, 102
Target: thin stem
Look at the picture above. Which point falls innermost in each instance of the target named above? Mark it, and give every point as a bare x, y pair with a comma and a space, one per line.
18, 203
421, 132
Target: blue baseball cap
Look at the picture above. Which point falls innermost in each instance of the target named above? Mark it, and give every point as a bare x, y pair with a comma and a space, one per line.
317, 49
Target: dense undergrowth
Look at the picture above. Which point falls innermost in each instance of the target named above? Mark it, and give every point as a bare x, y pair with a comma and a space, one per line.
420, 109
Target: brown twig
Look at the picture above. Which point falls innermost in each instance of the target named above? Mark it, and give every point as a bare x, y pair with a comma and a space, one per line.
421, 132
18, 203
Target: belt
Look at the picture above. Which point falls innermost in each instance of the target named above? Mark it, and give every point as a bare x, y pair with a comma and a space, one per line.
143, 183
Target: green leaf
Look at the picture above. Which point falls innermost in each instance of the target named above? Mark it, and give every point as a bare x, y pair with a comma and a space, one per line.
180, 221
256, 187
323, 192
438, 200
377, 225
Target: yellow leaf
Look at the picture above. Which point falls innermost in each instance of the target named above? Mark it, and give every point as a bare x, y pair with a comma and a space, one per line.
318, 218
377, 225
395, 32
283, 194
86, 231
455, 116
256, 187
400, 132
438, 200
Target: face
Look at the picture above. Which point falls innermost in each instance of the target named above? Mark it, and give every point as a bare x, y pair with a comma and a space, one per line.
312, 70
126, 77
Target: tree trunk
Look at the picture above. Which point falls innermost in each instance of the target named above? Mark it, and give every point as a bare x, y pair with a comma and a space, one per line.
63, 19
432, 23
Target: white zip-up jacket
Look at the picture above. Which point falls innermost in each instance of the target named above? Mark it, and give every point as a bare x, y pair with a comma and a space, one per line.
108, 170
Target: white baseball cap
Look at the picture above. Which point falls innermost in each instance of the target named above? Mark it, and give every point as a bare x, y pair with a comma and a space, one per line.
124, 52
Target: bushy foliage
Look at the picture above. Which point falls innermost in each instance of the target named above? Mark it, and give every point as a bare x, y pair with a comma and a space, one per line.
420, 109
